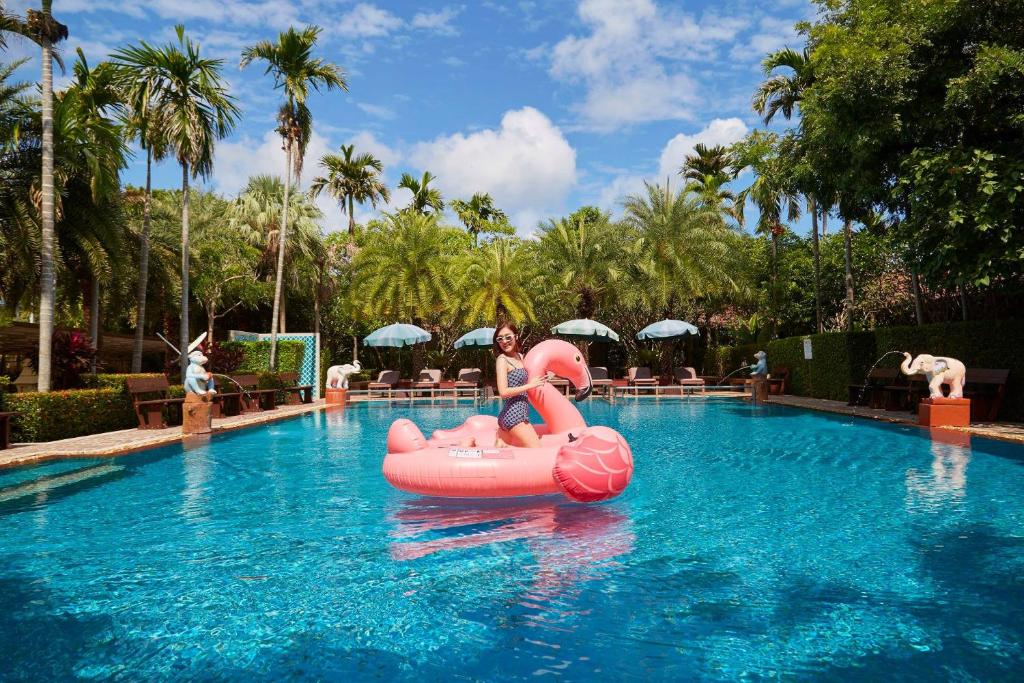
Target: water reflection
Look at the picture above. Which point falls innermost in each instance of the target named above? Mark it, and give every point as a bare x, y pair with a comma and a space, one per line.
945, 483
197, 464
570, 544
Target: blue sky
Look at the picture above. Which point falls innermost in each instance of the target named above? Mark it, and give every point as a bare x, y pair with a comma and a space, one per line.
546, 105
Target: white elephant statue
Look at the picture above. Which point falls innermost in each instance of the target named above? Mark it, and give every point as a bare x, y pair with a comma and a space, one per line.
939, 370
337, 375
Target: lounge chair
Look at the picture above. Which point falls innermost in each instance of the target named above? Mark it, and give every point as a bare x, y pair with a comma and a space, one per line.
468, 378
387, 380
687, 377
641, 377
599, 378
429, 379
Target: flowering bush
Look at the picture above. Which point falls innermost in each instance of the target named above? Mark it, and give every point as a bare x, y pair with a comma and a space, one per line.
71, 357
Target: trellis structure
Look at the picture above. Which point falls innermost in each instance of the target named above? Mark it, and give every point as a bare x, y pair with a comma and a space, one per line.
309, 373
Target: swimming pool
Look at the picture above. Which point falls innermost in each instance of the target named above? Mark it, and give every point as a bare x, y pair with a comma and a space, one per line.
753, 542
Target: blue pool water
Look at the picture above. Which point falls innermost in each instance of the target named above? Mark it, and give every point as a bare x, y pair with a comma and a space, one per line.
753, 542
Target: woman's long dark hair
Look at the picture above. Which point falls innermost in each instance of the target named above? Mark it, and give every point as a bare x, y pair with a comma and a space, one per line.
497, 331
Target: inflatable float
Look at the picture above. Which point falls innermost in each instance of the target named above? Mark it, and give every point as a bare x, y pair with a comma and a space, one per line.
586, 464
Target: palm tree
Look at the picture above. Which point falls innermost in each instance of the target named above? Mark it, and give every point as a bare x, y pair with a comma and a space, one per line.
190, 100
707, 172
256, 215
404, 270
351, 179
479, 215
48, 33
495, 283
141, 121
783, 93
295, 70
425, 199
581, 260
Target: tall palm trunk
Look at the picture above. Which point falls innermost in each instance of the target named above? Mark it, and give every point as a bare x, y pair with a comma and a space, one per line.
351, 220
848, 248
281, 237
46, 294
140, 311
184, 336
812, 205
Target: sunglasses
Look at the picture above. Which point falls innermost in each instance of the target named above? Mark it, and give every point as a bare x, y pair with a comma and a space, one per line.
505, 338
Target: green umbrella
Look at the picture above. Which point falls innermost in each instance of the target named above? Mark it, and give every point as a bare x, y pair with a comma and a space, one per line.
585, 329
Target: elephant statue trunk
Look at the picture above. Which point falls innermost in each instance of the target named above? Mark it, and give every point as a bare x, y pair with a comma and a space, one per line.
939, 370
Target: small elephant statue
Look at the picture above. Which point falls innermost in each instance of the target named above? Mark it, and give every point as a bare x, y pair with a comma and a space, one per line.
761, 366
198, 380
337, 375
939, 370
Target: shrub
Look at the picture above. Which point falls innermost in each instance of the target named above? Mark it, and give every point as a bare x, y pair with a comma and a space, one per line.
256, 355
65, 414
71, 356
112, 381
225, 357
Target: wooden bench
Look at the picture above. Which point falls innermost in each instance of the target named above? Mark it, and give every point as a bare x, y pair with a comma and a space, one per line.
872, 391
294, 392
254, 399
777, 379
151, 398
905, 396
986, 389
5, 430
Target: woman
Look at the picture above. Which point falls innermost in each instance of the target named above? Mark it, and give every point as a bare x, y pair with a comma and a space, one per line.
514, 419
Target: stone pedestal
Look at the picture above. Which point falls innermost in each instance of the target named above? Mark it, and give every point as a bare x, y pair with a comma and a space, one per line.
944, 412
758, 389
197, 414
337, 397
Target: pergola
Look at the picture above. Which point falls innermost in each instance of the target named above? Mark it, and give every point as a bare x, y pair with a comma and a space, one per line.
22, 339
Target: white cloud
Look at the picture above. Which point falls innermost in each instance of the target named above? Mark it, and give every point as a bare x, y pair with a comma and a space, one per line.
611, 196
526, 164
718, 132
367, 142
438, 22
367, 21
772, 34
634, 62
376, 110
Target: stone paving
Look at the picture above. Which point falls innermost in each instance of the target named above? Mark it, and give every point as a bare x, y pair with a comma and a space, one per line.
130, 440
1006, 431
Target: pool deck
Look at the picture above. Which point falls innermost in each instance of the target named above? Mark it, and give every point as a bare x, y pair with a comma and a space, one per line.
1005, 431
131, 440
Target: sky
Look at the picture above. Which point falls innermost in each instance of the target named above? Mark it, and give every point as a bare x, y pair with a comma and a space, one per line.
548, 106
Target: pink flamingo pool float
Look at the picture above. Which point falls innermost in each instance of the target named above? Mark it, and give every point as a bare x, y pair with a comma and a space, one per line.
586, 464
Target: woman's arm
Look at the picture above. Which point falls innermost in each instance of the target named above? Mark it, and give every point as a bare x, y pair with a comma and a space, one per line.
501, 375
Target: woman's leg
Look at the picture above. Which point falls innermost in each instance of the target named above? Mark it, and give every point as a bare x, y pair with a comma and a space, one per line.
526, 435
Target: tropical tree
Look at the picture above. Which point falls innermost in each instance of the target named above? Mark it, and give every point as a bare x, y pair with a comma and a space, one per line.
48, 33
707, 172
479, 215
189, 98
425, 199
580, 259
496, 283
783, 93
351, 179
290, 60
141, 119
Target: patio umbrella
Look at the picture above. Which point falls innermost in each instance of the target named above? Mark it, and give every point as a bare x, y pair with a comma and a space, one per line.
665, 330
586, 330
399, 334
480, 338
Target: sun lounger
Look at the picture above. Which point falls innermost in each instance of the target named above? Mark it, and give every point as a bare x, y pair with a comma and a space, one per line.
641, 377
599, 378
429, 379
387, 380
468, 379
687, 377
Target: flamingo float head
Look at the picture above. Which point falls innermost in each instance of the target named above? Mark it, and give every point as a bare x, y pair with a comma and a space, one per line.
563, 359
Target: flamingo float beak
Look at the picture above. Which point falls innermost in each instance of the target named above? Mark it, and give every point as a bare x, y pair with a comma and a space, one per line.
584, 391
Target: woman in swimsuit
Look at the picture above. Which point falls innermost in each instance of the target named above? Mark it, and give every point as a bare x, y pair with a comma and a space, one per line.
514, 419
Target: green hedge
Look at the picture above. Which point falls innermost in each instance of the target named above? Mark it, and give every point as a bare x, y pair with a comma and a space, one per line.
841, 358
118, 382
256, 355
64, 414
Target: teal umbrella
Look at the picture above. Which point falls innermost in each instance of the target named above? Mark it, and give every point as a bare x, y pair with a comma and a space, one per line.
399, 334
585, 329
665, 330
480, 338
